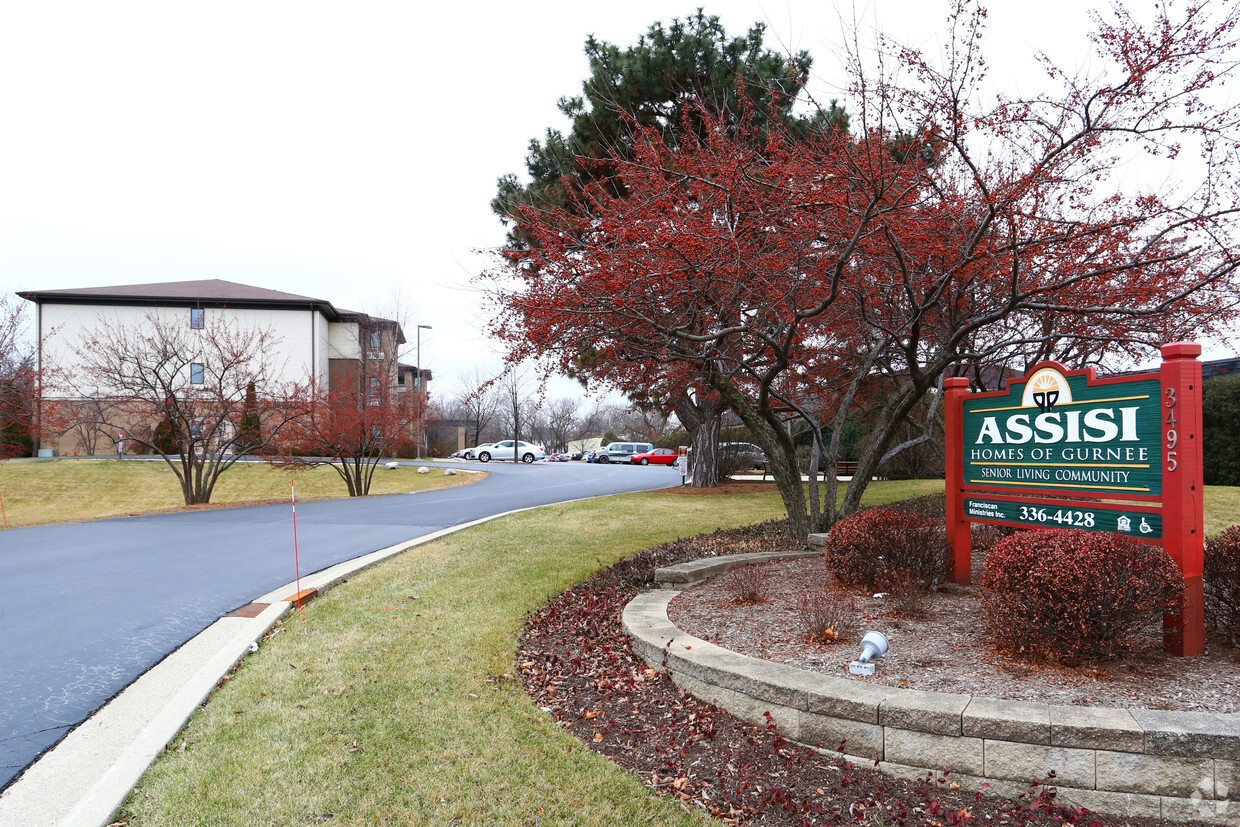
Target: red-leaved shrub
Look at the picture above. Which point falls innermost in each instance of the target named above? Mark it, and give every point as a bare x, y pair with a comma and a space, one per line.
826, 615
1221, 582
878, 547
984, 536
746, 584
1075, 595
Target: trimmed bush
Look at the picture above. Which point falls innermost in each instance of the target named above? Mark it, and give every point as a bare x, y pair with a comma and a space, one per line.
878, 547
1221, 582
826, 615
929, 505
1075, 595
747, 584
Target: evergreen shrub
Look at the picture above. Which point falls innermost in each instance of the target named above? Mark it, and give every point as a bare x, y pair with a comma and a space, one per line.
878, 547
1075, 595
1221, 582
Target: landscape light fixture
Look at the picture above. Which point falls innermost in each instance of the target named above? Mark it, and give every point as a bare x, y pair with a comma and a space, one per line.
873, 647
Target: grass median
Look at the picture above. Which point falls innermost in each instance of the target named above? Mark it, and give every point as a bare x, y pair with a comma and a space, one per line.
74, 490
393, 701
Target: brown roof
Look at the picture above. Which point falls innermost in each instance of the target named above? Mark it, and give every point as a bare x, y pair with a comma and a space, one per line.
426, 372
209, 291
367, 320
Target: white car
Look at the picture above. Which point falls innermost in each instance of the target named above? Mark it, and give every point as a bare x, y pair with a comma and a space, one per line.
525, 451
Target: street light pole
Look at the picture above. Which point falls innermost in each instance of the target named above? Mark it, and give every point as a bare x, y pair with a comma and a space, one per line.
419, 387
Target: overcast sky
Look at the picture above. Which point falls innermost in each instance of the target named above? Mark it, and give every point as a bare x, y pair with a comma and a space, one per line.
340, 150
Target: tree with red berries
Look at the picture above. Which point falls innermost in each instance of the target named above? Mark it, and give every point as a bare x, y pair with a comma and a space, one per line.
18, 382
658, 84
800, 276
351, 428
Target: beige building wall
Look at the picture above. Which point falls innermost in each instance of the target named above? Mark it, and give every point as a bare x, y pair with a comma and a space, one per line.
343, 341
308, 346
302, 337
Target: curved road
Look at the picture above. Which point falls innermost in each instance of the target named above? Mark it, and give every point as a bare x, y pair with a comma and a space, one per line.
85, 609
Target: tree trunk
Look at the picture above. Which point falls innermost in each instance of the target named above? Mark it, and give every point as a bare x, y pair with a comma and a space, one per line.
815, 512
780, 453
890, 419
705, 456
702, 416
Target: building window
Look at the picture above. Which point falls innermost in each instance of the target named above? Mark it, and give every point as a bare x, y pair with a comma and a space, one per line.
374, 386
196, 374
196, 318
375, 340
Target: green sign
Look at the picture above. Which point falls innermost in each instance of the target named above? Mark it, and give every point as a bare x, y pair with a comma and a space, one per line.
1056, 431
1085, 516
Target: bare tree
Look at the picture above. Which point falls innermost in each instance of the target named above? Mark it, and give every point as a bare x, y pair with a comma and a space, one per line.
561, 421
517, 405
646, 421
536, 427
398, 307
90, 425
182, 394
478, 398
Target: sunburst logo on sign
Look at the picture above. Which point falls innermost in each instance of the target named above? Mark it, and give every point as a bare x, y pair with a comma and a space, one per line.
1045, 389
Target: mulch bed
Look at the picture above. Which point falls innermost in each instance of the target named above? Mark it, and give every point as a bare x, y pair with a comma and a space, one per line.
576, 663
940, 645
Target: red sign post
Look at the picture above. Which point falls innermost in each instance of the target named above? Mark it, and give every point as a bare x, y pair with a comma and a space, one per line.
1183, 537
1131, 445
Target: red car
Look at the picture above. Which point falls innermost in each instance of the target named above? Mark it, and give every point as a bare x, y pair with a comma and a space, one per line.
659, 456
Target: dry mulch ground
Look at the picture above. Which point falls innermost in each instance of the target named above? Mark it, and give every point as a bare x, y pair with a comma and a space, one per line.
576, 663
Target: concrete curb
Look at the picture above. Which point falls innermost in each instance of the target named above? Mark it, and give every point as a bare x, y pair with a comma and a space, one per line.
108, 753
695, 571
84, 779
1171, 765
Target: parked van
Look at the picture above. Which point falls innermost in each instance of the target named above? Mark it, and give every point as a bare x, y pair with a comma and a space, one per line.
621, 451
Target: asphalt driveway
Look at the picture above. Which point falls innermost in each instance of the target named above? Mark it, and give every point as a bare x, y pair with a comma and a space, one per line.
86, 608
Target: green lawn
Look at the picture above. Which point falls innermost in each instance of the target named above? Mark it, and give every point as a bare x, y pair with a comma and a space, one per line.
392, 702
51, 491
1221, 508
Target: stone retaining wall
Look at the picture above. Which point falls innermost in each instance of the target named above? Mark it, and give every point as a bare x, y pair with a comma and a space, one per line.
1173, 765
695, 571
